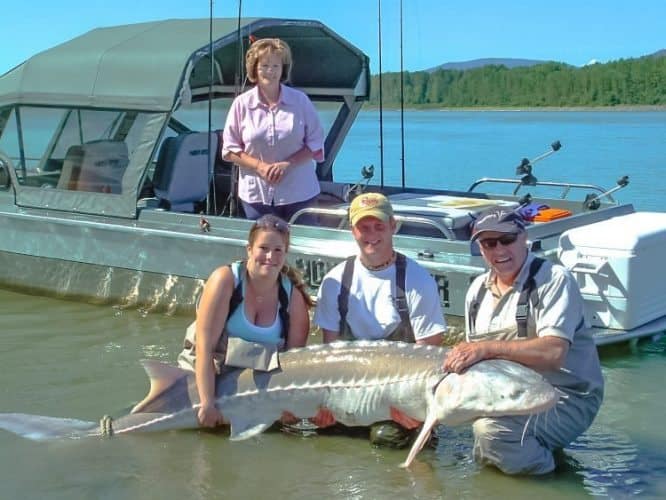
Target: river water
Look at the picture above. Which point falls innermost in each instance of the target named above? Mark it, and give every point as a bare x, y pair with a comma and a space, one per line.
70, 359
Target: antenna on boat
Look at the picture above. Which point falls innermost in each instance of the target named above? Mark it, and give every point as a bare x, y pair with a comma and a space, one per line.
402, 109
211, 167
381, 109
238, 77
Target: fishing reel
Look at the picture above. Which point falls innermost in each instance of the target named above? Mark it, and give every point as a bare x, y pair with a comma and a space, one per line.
367, 173
525, 167
593, 201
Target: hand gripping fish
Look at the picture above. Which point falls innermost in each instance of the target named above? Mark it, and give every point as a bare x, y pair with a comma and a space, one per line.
359, 382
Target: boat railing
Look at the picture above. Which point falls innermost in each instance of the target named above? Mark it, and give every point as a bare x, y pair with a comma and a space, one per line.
5, 165
343, 215
566, 186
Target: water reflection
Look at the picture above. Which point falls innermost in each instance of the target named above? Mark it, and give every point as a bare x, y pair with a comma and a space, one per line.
75, 360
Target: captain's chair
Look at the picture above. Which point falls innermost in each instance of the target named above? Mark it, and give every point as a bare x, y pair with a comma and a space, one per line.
96, 166
184, 169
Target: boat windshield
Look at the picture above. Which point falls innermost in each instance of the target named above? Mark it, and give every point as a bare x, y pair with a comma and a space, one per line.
68, 148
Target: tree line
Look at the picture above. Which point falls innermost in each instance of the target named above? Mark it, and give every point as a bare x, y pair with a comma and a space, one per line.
630, 82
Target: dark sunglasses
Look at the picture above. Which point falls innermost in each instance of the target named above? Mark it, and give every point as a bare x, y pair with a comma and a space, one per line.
272, 222
505, 240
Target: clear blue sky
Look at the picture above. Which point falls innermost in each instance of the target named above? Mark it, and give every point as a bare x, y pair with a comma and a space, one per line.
434, 31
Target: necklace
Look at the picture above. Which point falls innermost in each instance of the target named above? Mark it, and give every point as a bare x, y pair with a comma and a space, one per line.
259, 298
381, 266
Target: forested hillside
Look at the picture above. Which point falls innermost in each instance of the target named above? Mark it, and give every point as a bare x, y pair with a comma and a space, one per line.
640, 81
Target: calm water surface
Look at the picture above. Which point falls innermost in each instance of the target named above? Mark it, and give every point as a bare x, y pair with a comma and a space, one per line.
451, 149
70, 359
66, 359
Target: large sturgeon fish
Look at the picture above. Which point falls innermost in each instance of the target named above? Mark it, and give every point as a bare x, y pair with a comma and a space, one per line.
359, 382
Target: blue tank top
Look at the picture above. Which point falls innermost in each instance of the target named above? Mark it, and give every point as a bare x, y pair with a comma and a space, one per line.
238, 325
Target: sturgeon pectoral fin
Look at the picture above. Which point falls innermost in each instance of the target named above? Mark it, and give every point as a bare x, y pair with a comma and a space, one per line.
403, 419
245, 428
420, 440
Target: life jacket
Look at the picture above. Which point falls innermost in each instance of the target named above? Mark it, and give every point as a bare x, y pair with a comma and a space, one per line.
404, 331
528, 296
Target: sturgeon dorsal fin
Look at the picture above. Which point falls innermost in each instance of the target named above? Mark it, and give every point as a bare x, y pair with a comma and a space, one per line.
162, 376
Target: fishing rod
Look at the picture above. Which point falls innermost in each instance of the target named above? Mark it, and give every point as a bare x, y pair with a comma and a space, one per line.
239, 81
402, 108
211, 75
381, 108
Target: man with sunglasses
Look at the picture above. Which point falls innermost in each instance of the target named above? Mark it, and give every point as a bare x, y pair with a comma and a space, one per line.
528, 310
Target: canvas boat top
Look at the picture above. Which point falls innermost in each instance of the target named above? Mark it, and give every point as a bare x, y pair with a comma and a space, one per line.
149, 66
123, 84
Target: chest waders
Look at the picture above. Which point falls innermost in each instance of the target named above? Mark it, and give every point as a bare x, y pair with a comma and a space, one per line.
187, 357
283, 300
528, 296
404, 331
388, 434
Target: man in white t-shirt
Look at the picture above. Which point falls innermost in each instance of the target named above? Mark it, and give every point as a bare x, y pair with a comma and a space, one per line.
379, 305
379, 294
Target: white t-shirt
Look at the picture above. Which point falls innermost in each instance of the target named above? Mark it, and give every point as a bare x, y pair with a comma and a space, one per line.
371, 312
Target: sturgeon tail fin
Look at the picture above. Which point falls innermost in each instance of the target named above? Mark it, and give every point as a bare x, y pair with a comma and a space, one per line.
40, 428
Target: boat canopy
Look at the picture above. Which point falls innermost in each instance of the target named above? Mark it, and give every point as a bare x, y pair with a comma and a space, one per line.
152, 66
109, 97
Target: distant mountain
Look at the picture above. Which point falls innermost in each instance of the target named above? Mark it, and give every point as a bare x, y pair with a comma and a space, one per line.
659, 53
511, 62
478, 63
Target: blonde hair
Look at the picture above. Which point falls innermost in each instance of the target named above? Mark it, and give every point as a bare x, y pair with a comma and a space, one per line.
296, 278
263, 47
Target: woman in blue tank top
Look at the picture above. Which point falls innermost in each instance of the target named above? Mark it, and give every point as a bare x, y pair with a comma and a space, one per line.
258, 317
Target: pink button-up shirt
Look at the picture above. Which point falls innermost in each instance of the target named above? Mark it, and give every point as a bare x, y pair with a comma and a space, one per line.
272, 136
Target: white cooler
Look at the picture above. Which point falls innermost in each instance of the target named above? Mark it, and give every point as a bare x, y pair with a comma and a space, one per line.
620, 267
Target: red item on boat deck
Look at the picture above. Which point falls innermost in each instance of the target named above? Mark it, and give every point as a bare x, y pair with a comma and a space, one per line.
548, 214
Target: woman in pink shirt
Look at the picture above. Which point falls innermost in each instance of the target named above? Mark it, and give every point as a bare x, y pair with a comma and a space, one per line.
274, 134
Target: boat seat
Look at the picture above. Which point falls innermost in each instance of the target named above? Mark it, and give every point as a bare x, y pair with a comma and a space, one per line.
71, 168
184, 170
96, 166
336, 192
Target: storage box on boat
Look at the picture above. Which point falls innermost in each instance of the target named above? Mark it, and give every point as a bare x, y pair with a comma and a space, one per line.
451, 211
619, 266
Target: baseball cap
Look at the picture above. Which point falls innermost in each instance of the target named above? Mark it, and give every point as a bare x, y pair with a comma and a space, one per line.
370, 205
498, 220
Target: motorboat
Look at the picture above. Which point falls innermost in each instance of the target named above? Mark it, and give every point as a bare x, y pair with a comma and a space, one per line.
112, 189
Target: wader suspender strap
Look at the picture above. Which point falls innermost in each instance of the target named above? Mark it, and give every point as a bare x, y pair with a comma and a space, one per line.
474, 307
283, 299
283, 311
343, 296
400, 299
523, 307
